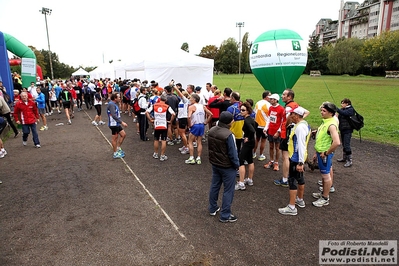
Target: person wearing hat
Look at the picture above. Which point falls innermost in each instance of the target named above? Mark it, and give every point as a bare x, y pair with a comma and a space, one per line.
224, 159
327, 141
297, 150
272, 130
288, 98
198, 91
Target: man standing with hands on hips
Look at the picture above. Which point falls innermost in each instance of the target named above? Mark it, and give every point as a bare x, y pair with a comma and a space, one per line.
327, 141
115, 124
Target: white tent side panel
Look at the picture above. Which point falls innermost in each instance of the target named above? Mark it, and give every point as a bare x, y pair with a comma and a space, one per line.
103, 71
178, 65
184, 75
132, 74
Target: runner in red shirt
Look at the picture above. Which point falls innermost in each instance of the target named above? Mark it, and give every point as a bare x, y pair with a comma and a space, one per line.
273, 130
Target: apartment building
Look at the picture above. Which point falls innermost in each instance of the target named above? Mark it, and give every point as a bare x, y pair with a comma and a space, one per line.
362, 21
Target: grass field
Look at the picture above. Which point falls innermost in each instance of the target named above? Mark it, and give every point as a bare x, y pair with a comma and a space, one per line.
376, 98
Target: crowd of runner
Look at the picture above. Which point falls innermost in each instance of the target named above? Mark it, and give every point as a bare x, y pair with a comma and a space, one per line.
182, 117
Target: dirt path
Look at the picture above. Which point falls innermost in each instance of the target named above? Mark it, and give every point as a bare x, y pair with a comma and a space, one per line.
70, 203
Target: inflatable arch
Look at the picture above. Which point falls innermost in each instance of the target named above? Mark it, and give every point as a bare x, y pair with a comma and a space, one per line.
8, 42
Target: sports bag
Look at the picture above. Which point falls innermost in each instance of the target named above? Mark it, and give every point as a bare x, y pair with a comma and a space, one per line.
356, 121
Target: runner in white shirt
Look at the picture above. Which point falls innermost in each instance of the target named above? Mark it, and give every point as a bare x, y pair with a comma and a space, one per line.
182, 118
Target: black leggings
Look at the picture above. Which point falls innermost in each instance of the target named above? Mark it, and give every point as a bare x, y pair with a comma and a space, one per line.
8, 117
98, 109
246, 153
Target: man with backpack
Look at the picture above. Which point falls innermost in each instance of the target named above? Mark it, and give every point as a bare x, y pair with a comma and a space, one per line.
87, 96
346, 130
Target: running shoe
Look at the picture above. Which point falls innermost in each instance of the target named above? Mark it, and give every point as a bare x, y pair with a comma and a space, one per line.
248, 181
240, 186
215, 212
185, 151
268, 165
300, 203
261, 157
288, 211
321, 202
231, 219
280, 183
117, 155
190, 161
332, 189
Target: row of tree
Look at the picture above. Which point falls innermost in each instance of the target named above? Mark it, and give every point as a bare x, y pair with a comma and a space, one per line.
347, 56
353, 56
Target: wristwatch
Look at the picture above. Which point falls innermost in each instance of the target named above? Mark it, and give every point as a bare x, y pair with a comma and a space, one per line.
300, 164
325, 153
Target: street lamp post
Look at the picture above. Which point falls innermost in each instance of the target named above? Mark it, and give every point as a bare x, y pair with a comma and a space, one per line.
239, 25
47, 11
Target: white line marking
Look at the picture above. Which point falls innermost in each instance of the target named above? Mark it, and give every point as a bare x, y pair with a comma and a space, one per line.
145, 189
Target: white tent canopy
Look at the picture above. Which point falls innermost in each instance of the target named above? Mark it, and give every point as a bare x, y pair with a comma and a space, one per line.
178, 65
80, 72
103, 71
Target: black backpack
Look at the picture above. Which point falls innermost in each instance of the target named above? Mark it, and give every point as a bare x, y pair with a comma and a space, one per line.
356, 121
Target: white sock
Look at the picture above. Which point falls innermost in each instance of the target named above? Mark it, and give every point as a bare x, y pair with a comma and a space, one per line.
292, 207
191, 157
285, 179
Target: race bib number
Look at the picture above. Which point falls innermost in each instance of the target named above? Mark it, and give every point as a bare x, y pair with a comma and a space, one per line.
273, 119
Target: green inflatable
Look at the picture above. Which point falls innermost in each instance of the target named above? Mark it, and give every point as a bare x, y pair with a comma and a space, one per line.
277, 59
24, 52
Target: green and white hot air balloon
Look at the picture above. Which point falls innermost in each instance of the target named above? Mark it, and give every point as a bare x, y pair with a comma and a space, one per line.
277, 59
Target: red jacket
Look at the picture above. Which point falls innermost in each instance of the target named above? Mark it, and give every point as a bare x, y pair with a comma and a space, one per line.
73, 93
215, 111
26, 113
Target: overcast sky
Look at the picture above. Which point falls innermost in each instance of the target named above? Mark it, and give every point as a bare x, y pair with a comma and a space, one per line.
87, 32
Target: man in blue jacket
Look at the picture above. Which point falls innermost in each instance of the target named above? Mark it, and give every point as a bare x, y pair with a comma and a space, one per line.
41, 106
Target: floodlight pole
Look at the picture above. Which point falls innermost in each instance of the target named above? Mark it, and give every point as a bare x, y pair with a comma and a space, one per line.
47, 11
239, 25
